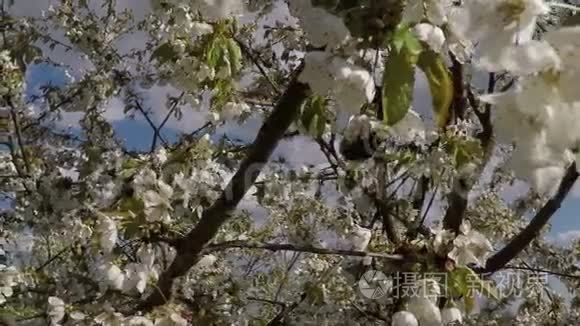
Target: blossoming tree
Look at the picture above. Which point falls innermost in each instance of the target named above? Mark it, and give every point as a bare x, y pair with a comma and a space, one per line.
94, 233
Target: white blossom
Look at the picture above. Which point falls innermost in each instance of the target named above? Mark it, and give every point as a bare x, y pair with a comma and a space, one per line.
354, 87
206, 261
321, 27
8, 279
157, 202
109, 317
470, 247
425, 311
140, 321
166, 316
566, 42
219, 9
436, 11
114, 276
160, 156
351, 85
107, 231
316, 72
451, 315
496, 25
404, 318
358, 127
55, 310
430, 34
232, 111
360, 238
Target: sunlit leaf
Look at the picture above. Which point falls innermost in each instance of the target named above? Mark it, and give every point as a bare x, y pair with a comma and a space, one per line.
313, 119
399, 76
235, 55
463, 281
440, 84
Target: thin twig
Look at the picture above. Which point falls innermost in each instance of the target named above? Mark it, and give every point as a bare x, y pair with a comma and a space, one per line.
257, 62
294, 248
540, 270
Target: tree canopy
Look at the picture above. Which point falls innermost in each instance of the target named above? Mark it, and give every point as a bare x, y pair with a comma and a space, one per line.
395, 209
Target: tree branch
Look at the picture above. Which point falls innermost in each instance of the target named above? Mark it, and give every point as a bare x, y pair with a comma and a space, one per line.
18, 133
527, 235
189, 247
257, 62
540, 270
388, 220
458, 198
294, 248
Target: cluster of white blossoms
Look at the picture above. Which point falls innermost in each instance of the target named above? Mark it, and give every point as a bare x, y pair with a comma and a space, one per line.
55, 310
185, 25
155, 194
8, 279
349, 84
431, 34
545, 105
466, 248
436, 11
209, 9
320, 27
421, 307
233, 110
327, 73
135, 276
11, 77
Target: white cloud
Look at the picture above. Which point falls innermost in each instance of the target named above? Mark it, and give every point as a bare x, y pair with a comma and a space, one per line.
565, 238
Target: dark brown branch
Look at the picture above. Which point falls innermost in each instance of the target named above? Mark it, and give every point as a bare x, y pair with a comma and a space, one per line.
458, 198
527, 235
189, 247
540, 270
52, 259
458, 105
272, 302
388, 221
294, 248
156, 133
18, 133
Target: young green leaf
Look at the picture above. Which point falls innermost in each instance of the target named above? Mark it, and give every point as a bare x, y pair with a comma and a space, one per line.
399, 76
440, 84
313, 118
235, 55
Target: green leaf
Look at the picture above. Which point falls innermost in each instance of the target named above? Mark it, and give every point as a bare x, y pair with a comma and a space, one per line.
235, 55
463, 281
404, 38
215, 52
164, 53
440, 84
313, 118
315, 293
399, 76
465, 151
